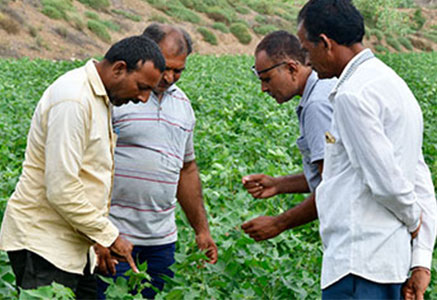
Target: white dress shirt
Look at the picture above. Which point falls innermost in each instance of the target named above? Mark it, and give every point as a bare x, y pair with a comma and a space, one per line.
375, 183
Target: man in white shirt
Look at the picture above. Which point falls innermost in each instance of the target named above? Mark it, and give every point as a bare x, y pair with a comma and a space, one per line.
376, 201
59, 207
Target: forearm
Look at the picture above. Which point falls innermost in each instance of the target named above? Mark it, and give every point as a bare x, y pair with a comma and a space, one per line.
292, 184
190, 197
299, 215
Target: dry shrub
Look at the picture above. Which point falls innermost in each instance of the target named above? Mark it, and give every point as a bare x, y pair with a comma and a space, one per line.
8, 24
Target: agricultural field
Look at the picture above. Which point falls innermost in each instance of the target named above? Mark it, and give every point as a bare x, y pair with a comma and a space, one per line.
239, 131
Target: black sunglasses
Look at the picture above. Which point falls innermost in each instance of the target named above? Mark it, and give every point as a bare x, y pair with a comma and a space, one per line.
258, 73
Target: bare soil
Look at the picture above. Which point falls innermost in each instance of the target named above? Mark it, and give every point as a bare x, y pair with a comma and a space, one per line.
37, 36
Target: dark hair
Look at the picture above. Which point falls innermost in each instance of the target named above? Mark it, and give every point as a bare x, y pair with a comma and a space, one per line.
337, 19
136, 49
158, 32
281, 44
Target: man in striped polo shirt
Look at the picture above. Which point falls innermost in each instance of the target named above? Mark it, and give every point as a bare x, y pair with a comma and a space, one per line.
154, 166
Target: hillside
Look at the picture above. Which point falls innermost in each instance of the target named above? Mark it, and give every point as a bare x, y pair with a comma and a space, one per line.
69, 29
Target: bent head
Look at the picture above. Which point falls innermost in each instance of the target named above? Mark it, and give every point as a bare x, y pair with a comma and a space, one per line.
324, 27
280, 65
175, 44
131, 69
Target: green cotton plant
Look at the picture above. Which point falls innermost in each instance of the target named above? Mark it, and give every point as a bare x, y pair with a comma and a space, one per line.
130, 288
239, 131
54, 291
7, 289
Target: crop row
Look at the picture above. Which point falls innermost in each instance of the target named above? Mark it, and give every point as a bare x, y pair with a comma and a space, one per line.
239, 131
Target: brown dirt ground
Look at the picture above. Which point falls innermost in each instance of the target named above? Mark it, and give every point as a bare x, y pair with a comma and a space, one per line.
41, 37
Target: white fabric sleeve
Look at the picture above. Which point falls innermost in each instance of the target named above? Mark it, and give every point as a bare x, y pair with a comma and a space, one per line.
423, 244
370, 150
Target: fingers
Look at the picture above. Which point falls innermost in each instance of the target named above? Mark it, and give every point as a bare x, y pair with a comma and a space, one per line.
112, 264
419, 295
103, 268
253, 178
212, 254
246, 226
131, 263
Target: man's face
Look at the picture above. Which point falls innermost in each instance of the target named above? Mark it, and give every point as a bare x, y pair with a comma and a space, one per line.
174, 64
135, 85
279, 81
317, 54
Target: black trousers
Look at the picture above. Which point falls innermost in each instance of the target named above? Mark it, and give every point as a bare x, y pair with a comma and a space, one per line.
32, 271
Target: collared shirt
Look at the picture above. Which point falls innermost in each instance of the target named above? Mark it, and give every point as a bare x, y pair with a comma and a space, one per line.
155, 139
314, 113
375, 183
58, 208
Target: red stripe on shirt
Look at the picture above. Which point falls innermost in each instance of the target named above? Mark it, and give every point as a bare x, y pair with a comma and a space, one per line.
154, 149
147, 179
145, 210
153, 119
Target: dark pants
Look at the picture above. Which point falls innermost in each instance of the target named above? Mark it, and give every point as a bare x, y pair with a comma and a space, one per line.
159, 259
355, 287
32, 271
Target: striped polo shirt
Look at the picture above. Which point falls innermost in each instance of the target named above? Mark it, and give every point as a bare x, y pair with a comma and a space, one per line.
154, 140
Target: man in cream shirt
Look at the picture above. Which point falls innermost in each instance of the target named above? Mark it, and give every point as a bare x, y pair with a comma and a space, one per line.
60, 204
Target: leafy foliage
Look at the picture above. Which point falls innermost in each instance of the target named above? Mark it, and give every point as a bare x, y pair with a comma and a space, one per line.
96, 4
128, 15
208, 36
240, 31
53, 291
239, 131
221, 27
99, 30
264, 29
393, 42
57, 9
406, 43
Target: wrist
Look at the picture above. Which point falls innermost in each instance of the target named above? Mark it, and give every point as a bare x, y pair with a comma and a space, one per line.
202, 232
422, 269
280, 222
278, 185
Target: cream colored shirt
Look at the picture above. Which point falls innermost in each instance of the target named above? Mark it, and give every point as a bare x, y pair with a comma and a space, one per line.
60, 204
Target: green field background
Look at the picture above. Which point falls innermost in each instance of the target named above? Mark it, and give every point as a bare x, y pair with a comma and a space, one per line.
239, 131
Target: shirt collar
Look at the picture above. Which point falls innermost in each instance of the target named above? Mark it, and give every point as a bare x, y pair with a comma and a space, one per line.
350, 68
166, 93
95, 80
309, 86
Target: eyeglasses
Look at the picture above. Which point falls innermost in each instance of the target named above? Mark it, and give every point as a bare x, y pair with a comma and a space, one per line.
258, 73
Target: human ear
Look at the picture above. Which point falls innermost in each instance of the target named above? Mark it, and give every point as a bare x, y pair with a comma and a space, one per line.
292, 66
119, 67
327, 43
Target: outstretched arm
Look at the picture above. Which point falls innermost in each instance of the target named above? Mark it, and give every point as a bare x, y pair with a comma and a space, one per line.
266, 227
190, 197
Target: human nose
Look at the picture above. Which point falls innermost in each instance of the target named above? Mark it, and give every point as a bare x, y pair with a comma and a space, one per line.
264, 87
143, 97
168, 76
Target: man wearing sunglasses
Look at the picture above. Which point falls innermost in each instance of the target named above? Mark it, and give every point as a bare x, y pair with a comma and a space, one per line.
280, 64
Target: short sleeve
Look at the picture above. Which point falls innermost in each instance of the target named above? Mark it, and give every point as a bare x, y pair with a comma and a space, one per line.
317, 119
